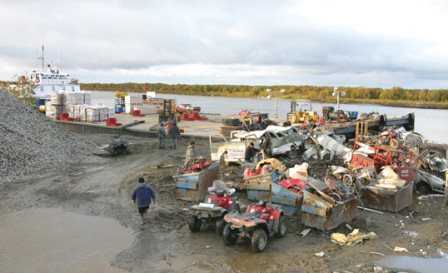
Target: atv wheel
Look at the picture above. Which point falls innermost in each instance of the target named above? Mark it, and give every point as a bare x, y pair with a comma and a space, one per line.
194, 224
259, 240
281, 232
219, 226
229, 236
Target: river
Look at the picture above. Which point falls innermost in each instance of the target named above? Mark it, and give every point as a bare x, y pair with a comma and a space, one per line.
429, 122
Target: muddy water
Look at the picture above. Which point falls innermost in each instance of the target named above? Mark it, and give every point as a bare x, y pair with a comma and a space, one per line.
54, 240
417, 264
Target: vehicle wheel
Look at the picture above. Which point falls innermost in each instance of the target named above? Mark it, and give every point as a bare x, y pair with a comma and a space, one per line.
293, 153
194, 224
219, 226
281, 232
423, 188
229, 236
259, 240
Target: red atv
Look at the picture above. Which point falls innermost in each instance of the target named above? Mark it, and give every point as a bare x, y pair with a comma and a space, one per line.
258, 223
218, 203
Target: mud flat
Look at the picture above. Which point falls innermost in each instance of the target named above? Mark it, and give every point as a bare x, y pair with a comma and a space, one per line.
54, 240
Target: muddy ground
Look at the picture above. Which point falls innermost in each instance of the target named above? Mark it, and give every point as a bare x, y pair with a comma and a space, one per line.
167, 245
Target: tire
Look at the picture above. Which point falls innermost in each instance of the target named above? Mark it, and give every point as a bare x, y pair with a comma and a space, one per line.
219, 226
281, 232
229, 236
259, 240
423, 188
293, 153
194, 224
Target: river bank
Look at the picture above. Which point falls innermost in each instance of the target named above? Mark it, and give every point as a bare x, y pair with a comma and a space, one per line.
318, 96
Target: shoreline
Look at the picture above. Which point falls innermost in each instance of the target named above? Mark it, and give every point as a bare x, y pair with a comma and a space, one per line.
403, 104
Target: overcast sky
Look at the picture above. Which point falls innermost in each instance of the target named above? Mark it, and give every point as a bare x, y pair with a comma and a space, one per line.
317, 42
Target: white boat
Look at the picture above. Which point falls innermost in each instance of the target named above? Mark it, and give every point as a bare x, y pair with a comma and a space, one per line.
51, 80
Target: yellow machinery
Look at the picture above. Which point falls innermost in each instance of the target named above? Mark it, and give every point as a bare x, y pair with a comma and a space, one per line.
302, 113
119, 98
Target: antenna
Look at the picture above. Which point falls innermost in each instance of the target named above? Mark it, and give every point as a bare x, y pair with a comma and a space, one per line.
42, 58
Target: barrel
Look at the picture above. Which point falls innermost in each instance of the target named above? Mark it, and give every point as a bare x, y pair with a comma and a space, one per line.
118, 108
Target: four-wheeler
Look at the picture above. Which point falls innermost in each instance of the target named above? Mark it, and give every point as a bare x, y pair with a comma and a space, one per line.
260, 221
218, 203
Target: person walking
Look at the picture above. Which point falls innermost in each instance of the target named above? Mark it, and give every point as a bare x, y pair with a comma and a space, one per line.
143, 195
162, 135
174, 134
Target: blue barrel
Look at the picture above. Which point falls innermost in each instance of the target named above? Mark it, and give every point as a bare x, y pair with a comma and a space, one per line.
118, 108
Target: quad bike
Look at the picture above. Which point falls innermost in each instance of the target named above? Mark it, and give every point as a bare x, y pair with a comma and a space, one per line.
218, 203
258, 223
118, 145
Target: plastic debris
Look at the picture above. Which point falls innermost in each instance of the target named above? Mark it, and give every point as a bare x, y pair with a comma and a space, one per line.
352, 238
305, 232
400, 249
319, 254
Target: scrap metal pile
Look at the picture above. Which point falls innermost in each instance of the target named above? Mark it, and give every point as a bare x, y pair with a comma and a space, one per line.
324, 177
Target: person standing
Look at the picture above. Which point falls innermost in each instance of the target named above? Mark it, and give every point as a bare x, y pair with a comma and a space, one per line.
190, 154
250, 152
143, 195
162, 135
174, 134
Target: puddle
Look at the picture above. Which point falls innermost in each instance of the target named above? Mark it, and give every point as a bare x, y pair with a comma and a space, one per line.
53, 240
416, 264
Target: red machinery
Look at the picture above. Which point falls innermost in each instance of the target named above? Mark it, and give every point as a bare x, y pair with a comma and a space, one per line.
258, 223
218, 203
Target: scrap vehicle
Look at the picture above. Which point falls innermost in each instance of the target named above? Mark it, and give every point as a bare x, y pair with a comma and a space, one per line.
117, 146
219, 202
249, 120
428, 182
275, 140
235, 148
301, 114
260, 222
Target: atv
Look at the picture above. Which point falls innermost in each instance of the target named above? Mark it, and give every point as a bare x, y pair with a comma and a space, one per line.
218, 203
258, 223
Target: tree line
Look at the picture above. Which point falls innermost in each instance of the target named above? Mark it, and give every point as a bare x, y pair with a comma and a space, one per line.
394, 95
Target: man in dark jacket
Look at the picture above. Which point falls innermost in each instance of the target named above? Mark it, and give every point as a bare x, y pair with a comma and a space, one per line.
251, 151
143, 195
174, 135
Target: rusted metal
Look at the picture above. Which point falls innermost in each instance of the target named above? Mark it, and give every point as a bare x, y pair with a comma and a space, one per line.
193, 186
383, 199
323, 215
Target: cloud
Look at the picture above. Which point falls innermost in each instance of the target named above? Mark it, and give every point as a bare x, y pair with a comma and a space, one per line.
370, 43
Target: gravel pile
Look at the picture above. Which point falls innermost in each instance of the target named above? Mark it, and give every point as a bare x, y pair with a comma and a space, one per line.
31, 145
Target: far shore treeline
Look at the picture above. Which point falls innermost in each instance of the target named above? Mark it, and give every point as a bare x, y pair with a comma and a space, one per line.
395, 96
424, 98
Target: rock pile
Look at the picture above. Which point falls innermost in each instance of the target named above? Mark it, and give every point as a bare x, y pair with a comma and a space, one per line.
31, 145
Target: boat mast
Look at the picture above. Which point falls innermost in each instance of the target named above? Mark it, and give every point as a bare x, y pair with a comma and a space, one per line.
42, 58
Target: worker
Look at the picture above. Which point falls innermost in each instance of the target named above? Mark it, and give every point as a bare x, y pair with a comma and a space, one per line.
174, 134
222, 158
162, 135
190, 154
250, 152
143, 195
